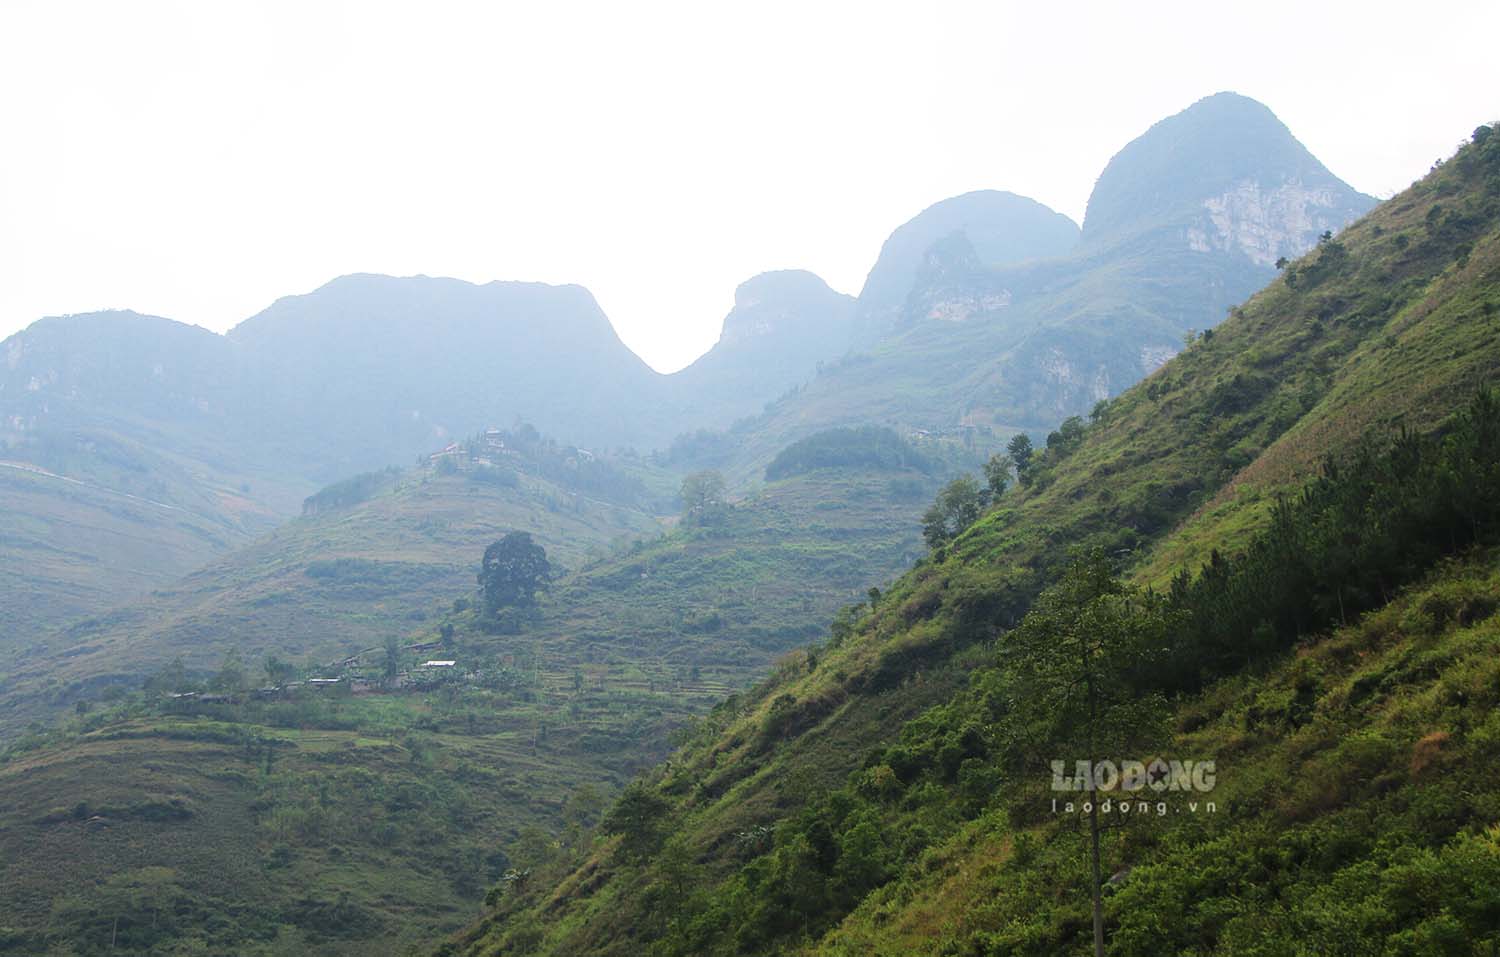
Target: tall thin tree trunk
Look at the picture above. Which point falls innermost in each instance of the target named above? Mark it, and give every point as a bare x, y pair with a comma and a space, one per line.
1094, 804
1098, 899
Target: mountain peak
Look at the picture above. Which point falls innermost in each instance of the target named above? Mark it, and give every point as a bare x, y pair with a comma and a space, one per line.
1224, 174
783, 324
1001, 227
764, 303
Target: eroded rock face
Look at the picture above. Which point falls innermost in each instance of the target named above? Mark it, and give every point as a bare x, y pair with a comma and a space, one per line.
1154, 357
965, 308
1266, 224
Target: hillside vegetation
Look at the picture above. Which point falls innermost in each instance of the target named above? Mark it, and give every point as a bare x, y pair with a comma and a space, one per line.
357, 569
885, 792
403, 804
313, 822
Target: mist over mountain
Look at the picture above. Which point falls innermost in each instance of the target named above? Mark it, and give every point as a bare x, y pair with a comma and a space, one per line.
983, 350
1224, 175
1003, 229
782, 326
984, 314
390, 367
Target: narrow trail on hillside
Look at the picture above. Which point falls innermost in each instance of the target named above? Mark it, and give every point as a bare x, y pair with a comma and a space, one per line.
34, 470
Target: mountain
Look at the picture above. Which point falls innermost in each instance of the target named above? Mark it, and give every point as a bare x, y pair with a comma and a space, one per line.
1003, 229
134, 449
393, 366
1320, 634
783, 326
372, 556
983, 350
123, 463
1224, 175
984, 315
831, 798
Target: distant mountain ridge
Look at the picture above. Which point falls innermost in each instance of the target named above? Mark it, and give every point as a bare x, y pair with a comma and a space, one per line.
985, 314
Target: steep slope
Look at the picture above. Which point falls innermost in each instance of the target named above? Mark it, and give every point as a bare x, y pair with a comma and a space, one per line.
984, 351
853, 803
782, 327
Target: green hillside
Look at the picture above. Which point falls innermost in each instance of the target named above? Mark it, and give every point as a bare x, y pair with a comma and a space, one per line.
333, 582
883, 792
91, 518
403, 807
312, 823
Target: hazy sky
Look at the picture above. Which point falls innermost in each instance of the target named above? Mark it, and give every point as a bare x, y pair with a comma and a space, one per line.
197, 160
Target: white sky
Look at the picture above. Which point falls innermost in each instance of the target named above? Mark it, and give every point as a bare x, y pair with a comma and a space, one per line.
199, 159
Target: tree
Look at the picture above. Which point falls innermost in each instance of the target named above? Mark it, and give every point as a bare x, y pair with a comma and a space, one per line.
392, 658
514, 569
637, 817
169, 680
703, 500
232, 675
997, 474
1076, 669
1020, 456
278, 672
1068, 437
957, 507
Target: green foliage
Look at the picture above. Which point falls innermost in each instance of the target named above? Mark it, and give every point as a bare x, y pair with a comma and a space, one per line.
350, 491
957, 507
637, 817
703, 501
997, 475
514, 569
868, 447
1021, 451
1344, 545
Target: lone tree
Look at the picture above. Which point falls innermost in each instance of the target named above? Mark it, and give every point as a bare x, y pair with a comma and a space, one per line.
1075, 668
639, 817
957, 507
1021, 451
997, 474
392, 658
703, 500
515, 568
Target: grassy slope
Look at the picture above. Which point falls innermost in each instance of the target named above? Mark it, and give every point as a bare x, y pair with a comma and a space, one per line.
328, 826
414, 548
1356, 803
626, 648
1162, 452
91, 519
734, 596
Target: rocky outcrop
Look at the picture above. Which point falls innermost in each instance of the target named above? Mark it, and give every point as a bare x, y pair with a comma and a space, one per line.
1265, 223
